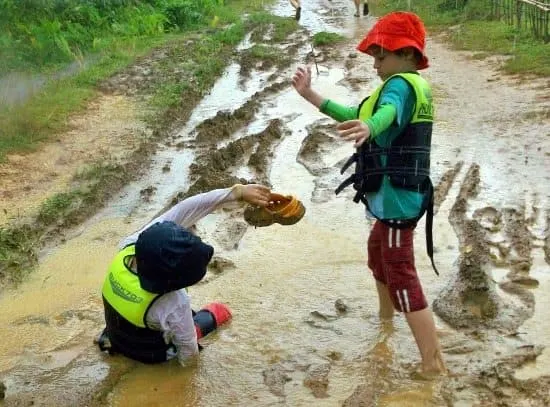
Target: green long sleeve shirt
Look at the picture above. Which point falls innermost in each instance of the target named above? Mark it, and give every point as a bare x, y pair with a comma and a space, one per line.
394, 111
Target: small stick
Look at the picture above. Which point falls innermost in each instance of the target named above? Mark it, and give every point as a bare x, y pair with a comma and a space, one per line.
314, 60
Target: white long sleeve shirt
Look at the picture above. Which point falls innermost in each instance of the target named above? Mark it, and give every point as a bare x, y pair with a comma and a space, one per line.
171, 313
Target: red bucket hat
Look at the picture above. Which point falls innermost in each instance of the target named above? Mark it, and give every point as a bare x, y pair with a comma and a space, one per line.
395, 31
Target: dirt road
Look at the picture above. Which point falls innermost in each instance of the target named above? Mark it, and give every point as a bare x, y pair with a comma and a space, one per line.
305, 330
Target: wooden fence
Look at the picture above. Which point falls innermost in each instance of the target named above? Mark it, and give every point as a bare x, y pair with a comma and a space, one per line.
531, 15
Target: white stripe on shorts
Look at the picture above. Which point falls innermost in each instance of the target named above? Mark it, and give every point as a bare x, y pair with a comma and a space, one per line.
398, 238
406, 299
389, 237
399, 299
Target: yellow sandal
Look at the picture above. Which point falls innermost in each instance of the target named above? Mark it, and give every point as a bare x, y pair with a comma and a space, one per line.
285, 210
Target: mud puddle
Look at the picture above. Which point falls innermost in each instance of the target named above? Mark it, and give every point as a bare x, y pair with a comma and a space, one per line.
305, 329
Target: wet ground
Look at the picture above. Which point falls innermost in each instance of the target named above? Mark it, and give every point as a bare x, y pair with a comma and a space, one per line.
305, 329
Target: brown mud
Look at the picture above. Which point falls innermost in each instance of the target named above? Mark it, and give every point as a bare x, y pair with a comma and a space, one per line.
481, 317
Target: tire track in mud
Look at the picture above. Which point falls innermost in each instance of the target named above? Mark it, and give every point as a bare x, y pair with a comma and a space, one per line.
321, 139
471, 304
471, 300
441, 190
213, 165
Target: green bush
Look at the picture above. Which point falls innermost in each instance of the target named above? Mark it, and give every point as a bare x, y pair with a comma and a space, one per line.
39, 33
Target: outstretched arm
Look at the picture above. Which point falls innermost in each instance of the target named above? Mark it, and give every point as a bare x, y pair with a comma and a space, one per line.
302, 83
189, 211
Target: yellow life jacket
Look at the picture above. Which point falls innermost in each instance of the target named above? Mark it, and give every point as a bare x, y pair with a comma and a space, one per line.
123, 292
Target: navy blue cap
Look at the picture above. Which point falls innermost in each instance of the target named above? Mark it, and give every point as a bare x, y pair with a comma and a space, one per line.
169, 257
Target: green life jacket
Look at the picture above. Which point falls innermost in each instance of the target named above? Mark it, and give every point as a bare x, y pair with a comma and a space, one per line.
406, 162
126, 305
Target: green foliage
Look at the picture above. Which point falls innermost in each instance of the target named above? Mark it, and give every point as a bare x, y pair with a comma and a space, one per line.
326, 38
264, 52
39, 33
280, 27
17, 250
47, 112
55, 207
232, 35
474, 28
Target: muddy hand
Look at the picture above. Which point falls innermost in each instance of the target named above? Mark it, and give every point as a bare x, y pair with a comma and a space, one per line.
256, 194
354, 130
302, 79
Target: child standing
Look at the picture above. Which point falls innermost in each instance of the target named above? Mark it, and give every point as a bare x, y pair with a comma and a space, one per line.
358, 8
298, 7
391, 130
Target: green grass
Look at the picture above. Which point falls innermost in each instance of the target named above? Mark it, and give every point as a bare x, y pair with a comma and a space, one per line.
56, 207
17, 250
266, 53
24, 126
48, 111
278, 28
469, 29
327, 38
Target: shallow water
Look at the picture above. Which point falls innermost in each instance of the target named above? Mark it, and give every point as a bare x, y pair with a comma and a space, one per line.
287, 279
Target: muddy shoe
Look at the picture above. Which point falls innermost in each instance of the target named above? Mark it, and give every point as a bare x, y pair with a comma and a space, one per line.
257, 216
298, 13
285, 210
366, 9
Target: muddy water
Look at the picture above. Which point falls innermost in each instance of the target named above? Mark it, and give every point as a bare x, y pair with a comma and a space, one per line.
288, 343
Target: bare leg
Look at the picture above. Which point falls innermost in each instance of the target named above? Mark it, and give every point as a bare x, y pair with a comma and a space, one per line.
296, 4
423, 328
357, 5
384, 299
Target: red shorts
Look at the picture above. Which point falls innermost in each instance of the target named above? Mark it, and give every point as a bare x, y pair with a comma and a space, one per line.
391, 259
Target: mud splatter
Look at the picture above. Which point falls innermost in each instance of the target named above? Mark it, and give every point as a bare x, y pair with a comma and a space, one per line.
275, 378
319, 140
317, 379
267, 141
213, 166
515, 227
496, 384
217, 267
224, 124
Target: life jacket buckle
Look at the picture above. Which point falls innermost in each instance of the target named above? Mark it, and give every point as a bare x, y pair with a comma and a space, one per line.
353, 159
